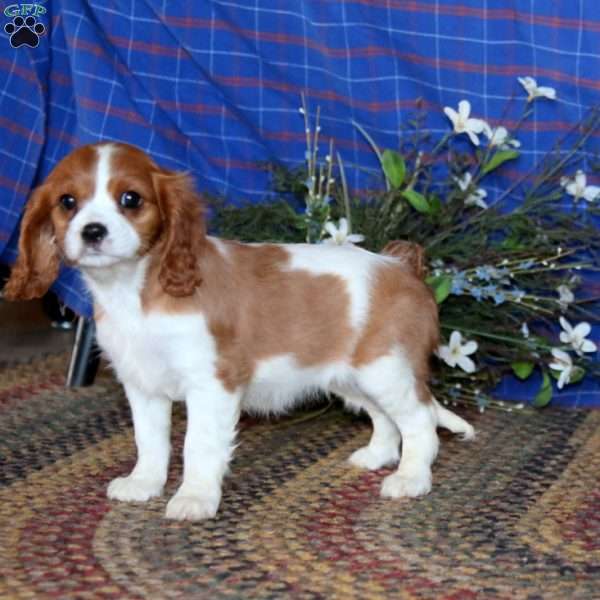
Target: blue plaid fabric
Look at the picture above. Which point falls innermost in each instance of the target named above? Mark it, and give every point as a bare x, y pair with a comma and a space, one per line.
214, 87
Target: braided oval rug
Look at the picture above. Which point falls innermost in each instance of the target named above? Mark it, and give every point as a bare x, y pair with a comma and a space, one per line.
514, 514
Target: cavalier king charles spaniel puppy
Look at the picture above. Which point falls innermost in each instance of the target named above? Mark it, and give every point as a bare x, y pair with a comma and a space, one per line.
229, 327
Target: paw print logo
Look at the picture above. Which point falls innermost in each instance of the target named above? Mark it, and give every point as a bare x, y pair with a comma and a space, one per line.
24, 32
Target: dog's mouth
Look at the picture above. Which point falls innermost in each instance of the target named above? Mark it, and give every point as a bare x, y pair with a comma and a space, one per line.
97, 259
94, 255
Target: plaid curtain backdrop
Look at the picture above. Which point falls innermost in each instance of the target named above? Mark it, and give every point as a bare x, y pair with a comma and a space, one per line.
214, 87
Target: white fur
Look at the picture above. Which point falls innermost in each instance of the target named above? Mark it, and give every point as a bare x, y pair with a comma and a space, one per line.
279, 383
162, 358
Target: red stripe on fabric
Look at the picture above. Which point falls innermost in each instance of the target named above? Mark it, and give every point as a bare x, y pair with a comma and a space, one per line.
150, 48
460, 10
61, 79
60, 134
280, 86
420, 7
291, 136
191, 107
10, 67
540, 125
100, 52
263, 36
236, 164
11, 184
132, 117
123, 113
20, 130
375, 51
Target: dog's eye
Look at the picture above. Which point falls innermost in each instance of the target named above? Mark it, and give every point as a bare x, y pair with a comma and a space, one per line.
130, 199
68, 202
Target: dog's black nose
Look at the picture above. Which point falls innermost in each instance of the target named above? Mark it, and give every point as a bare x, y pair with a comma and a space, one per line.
93, 233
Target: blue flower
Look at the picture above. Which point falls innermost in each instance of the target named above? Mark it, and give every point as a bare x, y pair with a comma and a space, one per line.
498, 273
483, 273
459, 281
453, 392
517, 295
477, 293
499, 297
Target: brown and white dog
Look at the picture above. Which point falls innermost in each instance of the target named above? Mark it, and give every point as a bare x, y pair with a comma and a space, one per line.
228, 327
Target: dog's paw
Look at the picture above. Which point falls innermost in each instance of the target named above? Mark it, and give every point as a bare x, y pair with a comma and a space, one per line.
192, 508
468, 434
401, 485
368, 458
133, 489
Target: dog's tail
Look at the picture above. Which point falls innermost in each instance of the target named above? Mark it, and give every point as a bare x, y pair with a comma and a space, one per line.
411, 253
454, 423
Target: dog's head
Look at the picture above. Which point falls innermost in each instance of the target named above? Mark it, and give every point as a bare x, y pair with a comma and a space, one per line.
105, 204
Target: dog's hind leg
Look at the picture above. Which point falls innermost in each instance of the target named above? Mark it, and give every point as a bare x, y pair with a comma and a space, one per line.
384, 446
391, 383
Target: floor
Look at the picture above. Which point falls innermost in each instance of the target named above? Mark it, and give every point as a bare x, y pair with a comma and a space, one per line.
27, 332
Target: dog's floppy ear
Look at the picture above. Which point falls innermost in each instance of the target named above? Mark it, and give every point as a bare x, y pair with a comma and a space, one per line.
38, 261
183, 233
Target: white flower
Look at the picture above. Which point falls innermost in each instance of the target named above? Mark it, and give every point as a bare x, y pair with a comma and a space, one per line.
564, 364
339, 235
463, 124
525, 330
457, 353
578, 188
533, 91
565, 296
499, 137
476, 197
576, 336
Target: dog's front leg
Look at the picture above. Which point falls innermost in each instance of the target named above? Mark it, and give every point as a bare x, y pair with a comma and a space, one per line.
212, 416
152, 426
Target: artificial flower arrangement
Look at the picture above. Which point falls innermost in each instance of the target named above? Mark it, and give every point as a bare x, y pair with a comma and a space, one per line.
509, 283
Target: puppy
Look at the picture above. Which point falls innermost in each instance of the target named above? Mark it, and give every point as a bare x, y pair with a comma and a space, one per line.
227, 327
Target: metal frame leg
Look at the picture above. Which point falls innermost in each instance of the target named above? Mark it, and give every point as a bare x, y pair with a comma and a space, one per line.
85, 357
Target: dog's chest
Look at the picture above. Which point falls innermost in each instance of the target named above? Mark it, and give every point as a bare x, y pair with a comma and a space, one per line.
158, 354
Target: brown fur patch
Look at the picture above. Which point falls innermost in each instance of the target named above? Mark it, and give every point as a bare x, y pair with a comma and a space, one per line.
411, 253
184, 235
133, 170
256, 309
402, 312
45, 222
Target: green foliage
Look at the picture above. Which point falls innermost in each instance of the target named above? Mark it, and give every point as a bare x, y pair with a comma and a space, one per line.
417, 201
268, 222
522, 369
544, 395
393, 168
441, 286
497, 159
